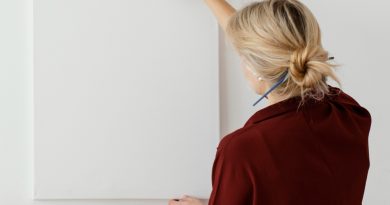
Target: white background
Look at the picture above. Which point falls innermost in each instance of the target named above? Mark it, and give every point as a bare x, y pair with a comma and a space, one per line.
355, 32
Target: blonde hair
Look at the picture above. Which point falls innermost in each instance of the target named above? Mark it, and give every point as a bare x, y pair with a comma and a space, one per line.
275, 36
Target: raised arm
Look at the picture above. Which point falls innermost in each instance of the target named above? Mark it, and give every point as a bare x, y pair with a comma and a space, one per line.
222, 11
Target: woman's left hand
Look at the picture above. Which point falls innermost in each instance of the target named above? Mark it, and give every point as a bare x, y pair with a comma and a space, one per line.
186, 200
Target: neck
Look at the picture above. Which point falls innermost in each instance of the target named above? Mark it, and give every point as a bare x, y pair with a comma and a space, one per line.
272, 99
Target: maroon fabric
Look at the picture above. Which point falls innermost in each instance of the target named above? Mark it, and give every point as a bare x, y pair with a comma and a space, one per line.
317, 155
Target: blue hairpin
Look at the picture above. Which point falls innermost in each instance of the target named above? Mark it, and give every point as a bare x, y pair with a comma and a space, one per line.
282, 79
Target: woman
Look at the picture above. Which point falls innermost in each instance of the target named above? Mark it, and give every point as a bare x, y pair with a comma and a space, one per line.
310, 144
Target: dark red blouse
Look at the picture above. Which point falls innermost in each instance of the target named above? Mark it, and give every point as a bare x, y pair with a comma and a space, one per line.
317, 155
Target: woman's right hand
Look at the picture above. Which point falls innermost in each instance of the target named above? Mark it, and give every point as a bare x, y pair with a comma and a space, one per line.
222, 11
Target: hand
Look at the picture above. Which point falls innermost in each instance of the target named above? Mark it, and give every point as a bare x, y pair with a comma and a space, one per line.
222, 11
186, 200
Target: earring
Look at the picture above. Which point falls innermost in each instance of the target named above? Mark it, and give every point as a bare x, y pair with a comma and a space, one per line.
261, 79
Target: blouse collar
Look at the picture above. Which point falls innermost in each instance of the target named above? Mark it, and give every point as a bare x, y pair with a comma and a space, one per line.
286, 105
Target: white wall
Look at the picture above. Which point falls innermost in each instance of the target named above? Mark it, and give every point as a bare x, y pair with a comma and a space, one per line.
15, 102
355, 32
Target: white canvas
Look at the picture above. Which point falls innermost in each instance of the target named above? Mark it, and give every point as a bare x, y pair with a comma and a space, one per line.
125, 99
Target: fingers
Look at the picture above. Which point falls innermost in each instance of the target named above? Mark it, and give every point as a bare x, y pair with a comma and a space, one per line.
185, 200
174, 202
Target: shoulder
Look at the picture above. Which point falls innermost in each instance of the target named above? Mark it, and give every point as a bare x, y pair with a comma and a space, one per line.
341, 96
238, 142
347, 100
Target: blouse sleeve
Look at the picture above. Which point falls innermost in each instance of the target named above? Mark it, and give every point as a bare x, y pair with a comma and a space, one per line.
230, 179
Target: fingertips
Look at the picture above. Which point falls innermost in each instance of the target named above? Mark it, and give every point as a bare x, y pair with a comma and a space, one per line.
174, 202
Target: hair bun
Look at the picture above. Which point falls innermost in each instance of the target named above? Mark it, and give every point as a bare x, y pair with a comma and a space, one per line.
298, 61
303, 68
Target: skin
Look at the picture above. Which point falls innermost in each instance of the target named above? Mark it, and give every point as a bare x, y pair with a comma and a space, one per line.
186, 200
260, 86
222, 10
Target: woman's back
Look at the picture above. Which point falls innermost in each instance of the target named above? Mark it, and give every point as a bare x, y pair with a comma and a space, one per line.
315, 155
